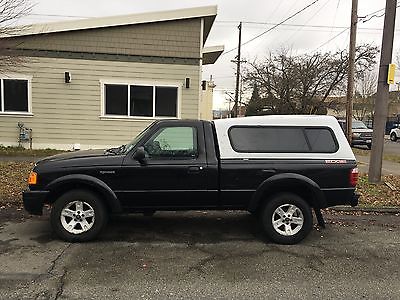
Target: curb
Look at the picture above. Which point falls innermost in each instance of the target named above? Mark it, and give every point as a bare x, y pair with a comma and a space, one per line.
386, 210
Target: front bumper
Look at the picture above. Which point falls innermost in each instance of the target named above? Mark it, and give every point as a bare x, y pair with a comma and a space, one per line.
34, 201
361, 141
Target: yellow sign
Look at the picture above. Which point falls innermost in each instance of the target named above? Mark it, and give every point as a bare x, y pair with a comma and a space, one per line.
391, 71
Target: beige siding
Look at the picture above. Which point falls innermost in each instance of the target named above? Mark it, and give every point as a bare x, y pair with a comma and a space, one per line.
180, 39
64, 114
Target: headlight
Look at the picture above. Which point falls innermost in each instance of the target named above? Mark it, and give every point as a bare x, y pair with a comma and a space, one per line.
356, 134
32, 179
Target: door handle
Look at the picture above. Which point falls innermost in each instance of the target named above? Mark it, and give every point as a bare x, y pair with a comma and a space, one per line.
268, 171
194, 170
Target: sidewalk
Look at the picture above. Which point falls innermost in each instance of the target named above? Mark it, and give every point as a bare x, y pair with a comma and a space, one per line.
388, 167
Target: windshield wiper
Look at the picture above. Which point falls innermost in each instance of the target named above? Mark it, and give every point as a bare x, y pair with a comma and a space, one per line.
117, 150
121, 149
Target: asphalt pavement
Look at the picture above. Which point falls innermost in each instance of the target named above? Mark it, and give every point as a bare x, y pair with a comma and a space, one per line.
200, 255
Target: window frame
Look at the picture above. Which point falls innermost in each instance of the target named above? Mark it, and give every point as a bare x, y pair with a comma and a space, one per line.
195, 137
303, 129
154, 84
9, 76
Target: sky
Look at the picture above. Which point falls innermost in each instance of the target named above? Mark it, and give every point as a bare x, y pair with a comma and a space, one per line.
321, 27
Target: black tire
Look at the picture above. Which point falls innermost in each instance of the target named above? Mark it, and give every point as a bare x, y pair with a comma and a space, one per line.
284, 200
369, 146
393, 137
91, 202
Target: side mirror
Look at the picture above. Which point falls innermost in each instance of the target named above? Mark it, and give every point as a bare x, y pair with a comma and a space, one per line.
140, 155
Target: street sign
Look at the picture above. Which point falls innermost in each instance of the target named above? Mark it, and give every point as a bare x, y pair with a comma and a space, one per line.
391, 71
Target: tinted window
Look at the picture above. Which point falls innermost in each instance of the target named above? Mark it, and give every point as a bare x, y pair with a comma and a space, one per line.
141, 100
116, 99
166, 101
15, 95
282, 139
268, 139
321, 140
173, 142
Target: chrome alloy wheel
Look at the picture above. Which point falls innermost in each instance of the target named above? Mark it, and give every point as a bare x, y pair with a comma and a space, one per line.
77, 217
287, 219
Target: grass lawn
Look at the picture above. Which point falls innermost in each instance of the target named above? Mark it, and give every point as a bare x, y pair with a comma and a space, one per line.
365, 152
20, 151
13, 178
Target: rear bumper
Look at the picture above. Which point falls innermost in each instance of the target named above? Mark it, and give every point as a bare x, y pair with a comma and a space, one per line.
342, 196
34, 201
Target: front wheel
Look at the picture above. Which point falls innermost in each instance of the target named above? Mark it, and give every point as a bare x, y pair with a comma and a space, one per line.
286, 218
393, 137
78, 216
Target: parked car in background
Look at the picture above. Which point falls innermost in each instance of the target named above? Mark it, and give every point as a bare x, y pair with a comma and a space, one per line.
362, 135
395, 133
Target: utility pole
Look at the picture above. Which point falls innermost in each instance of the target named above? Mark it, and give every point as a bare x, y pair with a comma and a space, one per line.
350, 76
382, 94
238, 73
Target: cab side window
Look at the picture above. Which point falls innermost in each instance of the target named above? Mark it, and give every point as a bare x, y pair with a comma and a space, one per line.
173, 143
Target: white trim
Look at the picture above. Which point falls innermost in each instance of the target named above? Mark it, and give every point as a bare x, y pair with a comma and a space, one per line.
132, 118
16, 76
111, 21
154, 84
16, 113
200, 68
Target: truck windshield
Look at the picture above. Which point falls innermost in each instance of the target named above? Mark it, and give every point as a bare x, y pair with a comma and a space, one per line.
133, 143
358, 125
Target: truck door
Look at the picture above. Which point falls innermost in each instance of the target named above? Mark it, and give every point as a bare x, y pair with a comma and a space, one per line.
175, 169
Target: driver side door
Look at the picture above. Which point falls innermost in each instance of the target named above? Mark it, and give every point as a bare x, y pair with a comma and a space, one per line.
174, 172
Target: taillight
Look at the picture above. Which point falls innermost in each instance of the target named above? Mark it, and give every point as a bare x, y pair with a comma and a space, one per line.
32, 179
354, 177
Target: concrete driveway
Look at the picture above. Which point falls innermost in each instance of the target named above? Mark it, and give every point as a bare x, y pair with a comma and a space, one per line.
213, 255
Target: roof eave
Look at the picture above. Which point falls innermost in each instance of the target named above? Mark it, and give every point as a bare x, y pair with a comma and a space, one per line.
207, 12
211, 54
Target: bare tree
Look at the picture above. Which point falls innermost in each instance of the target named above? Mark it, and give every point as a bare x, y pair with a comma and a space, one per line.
10, 12
303, 84
365, 91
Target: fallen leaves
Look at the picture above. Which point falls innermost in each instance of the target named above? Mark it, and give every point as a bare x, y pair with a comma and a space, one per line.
385, 194
13, 181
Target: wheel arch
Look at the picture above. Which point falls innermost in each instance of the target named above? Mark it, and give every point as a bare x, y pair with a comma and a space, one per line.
81, 181
294, 183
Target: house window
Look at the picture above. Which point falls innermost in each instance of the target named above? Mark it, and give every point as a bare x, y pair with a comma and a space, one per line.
140, 100
14, 96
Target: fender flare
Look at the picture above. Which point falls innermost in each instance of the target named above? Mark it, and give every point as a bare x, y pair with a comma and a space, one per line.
287, 179
99, 185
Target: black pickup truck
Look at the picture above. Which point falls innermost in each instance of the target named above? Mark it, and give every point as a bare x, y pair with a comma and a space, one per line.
276, 167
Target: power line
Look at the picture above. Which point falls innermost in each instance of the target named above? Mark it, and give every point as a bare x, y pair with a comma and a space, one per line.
347, 28
273, 27
331, 39
305, 24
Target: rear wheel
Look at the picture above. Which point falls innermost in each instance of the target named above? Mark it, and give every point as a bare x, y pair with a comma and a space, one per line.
78, 216
286, 218
393, 137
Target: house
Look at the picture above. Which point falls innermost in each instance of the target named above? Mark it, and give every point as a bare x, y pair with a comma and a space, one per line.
98, 82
